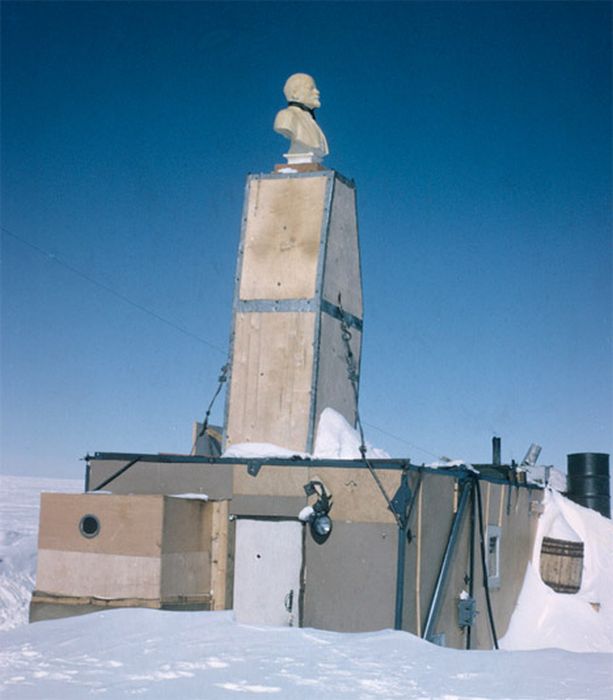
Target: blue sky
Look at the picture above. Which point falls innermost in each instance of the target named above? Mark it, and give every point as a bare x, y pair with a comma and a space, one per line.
479, 137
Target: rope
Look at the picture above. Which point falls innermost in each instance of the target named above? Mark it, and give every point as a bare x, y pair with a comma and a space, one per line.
223, 377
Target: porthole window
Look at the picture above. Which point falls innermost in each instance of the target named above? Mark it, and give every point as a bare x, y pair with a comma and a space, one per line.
89, 525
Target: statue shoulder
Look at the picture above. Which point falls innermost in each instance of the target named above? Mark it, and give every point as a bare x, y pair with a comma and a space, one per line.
285, 120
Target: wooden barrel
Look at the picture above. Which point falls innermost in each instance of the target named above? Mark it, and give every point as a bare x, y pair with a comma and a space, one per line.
562, 564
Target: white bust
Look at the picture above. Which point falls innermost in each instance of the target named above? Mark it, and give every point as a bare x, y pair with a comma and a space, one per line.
297, 121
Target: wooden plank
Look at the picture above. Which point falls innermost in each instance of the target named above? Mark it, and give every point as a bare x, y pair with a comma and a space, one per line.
282, 238
355, 494
219, 554
270, 387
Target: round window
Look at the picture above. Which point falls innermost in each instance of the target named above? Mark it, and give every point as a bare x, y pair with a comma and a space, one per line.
89, 525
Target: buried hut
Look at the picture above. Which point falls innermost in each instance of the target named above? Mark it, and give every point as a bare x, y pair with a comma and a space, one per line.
306, 536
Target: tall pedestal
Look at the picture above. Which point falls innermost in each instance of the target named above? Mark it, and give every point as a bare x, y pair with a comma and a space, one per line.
298, 252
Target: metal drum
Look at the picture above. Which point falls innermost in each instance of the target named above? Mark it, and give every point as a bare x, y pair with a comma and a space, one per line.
588, 481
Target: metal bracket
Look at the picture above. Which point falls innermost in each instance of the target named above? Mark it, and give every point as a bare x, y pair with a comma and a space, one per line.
253, 467
402, 498
467, 611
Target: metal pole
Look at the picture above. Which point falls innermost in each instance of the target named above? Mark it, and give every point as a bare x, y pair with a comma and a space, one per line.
437, 595
400, 562
471, 560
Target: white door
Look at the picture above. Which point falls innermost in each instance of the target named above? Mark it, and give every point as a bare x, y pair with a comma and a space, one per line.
267, 568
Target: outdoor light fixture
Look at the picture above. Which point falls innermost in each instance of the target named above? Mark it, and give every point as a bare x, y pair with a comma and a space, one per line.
319, 521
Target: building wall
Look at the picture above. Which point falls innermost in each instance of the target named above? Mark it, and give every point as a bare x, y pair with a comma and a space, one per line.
122, 561
150, 477
150, 550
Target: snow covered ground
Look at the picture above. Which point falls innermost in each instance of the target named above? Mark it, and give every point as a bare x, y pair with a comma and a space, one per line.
206, 655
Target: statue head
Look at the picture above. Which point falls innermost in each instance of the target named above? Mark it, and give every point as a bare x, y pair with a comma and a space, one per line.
300, 87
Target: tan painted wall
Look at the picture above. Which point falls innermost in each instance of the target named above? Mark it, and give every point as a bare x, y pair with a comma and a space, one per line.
74, 573
129, 525
163, 478
149, 548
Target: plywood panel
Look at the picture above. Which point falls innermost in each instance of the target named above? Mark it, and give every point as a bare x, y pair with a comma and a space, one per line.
351, 579
270, 387
334, 390
271, 481
187, 525
163, 478
129, 525
220, 563
102, 575
185, 574
356, 495
282, 238
342, 270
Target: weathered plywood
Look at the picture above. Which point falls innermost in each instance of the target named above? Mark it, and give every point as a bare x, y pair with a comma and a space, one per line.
163, 478
342, 268
356, 496
72, 573
219, 555
149, 548
270, 386
187, 525
282, 237
334, 390
185, 574
271, 481
350, 581
129, 525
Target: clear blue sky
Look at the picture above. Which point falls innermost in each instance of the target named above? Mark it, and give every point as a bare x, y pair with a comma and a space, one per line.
479, 136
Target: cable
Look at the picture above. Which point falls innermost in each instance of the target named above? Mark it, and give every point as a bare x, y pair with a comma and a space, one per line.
119, 295
486, 586
406, 442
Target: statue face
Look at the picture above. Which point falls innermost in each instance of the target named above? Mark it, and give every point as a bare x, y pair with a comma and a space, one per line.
308, 93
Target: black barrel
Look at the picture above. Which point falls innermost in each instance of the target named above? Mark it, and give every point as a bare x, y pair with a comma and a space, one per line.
587, 481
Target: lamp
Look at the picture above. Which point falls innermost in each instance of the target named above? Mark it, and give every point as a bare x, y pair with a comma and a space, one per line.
319, 520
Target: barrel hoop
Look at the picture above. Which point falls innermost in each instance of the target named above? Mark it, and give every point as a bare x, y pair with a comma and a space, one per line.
562, 547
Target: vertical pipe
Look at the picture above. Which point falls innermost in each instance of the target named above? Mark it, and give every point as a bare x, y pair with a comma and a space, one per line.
496, 461
471, 559
400, 563
439, 587
418, 565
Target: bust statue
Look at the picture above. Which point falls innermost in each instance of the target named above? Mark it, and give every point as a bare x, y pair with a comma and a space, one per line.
297, 121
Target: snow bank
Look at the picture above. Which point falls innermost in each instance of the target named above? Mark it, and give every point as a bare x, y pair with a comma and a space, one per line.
249, 450
19, 509
335, 439
195, 655
208, 656
576, 622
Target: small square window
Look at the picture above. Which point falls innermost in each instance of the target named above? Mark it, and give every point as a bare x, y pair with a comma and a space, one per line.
493, 556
